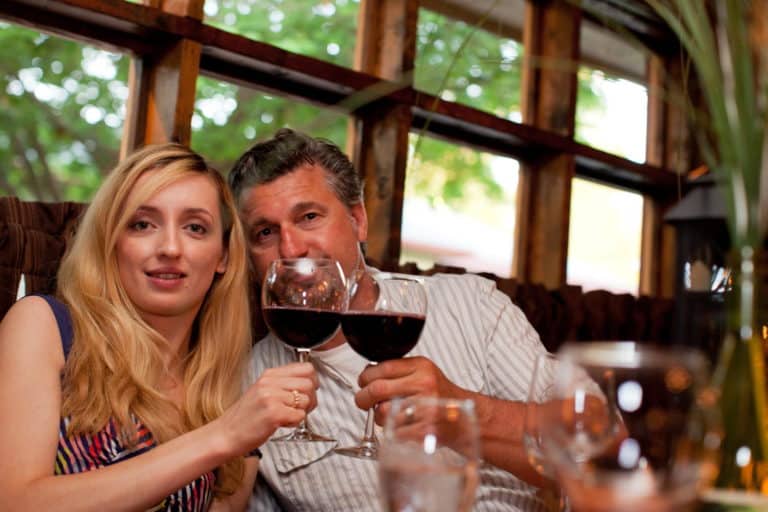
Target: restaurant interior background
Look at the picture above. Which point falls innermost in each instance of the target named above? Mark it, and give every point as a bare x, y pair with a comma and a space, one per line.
538, 143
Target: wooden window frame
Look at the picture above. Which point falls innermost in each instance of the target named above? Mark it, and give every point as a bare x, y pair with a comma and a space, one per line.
163, 35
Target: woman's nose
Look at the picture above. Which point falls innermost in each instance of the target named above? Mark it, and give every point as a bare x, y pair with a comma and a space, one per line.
169, 244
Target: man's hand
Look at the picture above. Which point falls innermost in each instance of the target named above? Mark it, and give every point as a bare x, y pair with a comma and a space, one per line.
500, 421
409, 376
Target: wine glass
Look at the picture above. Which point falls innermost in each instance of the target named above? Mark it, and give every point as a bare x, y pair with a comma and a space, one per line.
541, 394
634, 428
302, 300
386, 327
430, 455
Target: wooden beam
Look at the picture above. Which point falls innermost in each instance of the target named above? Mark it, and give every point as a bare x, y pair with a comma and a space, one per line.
548, 102
147, 31
163, 85
386, 48
190, 8
669, 146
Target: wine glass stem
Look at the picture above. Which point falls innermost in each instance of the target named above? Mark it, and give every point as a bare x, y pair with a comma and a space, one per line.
303, 427
303, 355
369, 437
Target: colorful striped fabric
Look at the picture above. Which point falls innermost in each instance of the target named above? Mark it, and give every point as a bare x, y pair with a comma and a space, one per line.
79, 453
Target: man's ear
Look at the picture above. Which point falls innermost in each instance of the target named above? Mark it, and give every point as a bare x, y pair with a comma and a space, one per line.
222, 266
360, 220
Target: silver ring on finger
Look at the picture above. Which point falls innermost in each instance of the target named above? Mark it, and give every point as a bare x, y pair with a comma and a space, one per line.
410, 416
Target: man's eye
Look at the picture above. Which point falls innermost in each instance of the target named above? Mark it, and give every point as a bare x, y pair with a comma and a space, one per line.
262, 234
310, 216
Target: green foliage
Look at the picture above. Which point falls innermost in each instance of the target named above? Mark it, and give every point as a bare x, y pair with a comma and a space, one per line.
463, 63
61, 110
229, 119
52, 87
324, 29
469, 64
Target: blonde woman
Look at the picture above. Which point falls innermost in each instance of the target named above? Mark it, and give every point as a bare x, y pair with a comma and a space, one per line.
125, 392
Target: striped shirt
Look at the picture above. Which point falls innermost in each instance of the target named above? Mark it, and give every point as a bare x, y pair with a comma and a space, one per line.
473, 333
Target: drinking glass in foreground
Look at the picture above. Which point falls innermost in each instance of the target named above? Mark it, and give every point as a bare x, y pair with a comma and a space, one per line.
541, 391
631, 427
428, 460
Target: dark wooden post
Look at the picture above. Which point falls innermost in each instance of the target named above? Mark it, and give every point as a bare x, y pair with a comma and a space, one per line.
163, 86
386, 47
669, 147
551, 41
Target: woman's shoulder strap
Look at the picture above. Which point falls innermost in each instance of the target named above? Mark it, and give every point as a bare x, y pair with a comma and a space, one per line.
64, 321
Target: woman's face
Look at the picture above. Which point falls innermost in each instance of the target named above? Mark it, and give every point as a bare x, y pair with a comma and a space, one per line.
171, 249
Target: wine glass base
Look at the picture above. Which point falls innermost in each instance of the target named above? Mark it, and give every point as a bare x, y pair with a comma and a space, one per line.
368, 451
304, 436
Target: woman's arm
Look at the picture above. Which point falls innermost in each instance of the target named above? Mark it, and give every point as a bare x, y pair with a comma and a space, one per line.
239, 500
31, 360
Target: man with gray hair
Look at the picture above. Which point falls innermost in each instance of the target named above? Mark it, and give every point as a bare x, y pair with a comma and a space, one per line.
299, 196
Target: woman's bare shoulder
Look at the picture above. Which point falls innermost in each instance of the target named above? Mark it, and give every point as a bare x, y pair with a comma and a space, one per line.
29, 327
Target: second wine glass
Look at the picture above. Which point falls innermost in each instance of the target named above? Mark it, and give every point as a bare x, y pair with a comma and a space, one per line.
387, 327
302, 300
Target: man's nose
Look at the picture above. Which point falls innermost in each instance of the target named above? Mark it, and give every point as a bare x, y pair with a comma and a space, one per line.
292, 244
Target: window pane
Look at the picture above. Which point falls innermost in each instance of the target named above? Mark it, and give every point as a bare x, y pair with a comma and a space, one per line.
463, 63
604, 238
228, 119
63, 106
324, 29
611, 114
459, 207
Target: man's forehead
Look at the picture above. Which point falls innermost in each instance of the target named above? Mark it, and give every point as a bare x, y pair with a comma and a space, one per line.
306, 184
291, 207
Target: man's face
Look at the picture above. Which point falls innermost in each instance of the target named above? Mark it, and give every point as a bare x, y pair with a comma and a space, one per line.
299, 215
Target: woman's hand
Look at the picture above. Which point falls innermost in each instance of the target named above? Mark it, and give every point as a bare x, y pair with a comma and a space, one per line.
280, 397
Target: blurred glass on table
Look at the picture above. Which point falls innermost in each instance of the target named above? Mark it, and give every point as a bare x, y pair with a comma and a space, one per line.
428, 460
631, 427
541, 391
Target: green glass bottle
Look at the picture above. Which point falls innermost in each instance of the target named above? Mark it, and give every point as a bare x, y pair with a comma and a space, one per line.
742, 479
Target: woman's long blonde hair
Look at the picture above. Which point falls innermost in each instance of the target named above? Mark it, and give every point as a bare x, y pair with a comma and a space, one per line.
116, 363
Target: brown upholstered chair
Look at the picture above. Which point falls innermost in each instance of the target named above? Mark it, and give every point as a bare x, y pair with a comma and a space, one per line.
33, 238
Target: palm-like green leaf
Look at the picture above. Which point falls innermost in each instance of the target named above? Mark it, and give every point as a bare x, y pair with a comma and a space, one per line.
719, 47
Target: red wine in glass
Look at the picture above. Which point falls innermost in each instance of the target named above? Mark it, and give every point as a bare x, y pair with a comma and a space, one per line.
302, 300
302, 328
382, 335
386, 329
